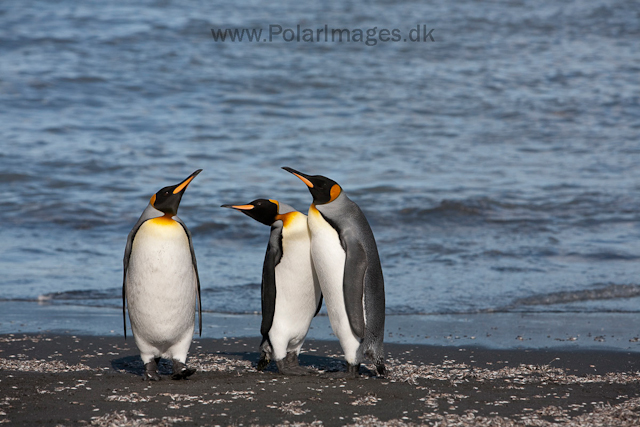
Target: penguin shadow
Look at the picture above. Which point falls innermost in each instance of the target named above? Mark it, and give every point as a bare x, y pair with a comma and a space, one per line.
330, 368
317, 365
133, 365
252, 357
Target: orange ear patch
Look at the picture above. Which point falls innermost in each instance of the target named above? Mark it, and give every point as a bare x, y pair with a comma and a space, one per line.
335, 192
153, 200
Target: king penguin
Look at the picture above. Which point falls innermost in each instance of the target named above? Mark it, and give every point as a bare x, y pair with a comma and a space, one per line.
161, 284
346, 261
291, 295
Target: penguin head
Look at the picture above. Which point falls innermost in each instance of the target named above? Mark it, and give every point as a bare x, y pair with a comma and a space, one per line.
168, 199
323, 189
262, 210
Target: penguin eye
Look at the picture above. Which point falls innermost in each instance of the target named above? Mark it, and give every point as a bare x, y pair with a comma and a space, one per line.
166, 193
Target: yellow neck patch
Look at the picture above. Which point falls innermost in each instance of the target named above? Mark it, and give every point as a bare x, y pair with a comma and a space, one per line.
286, 218
163, 220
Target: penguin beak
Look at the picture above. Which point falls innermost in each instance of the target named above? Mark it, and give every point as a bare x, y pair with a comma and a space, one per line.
184, 184
303, 177
239, 207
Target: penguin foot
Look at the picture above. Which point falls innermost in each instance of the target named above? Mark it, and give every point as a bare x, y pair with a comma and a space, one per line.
183, 374
180, 371
353, 371
291, 366
151, 371
263, 362
285, 369
151, 376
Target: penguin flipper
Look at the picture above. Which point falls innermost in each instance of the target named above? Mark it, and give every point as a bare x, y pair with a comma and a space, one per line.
355, 268
195, 268
271, 259
127, 255
124, 305
125, 261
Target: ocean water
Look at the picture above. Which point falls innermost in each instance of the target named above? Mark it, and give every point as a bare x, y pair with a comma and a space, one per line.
497, 165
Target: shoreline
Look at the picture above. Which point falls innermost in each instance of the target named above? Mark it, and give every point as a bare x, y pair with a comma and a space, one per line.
510, 330
51, 379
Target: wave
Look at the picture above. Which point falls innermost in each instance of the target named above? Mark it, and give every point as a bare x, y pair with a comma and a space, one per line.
447, 209
245, 299
583, 210
235, 299
608, 291
81, 295
8, 177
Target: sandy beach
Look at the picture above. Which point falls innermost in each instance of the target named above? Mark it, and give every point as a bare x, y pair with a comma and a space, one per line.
48, 379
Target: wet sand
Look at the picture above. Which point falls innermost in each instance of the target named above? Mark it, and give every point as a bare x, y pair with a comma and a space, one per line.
501, 330
95, 380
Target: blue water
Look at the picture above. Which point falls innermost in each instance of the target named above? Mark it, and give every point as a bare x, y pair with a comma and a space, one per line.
498, 165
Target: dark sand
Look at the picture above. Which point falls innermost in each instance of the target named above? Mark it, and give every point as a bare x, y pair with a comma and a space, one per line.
87, 380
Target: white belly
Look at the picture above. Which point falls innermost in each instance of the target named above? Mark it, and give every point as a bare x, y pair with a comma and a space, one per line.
161, 289
328, 259
297, 292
